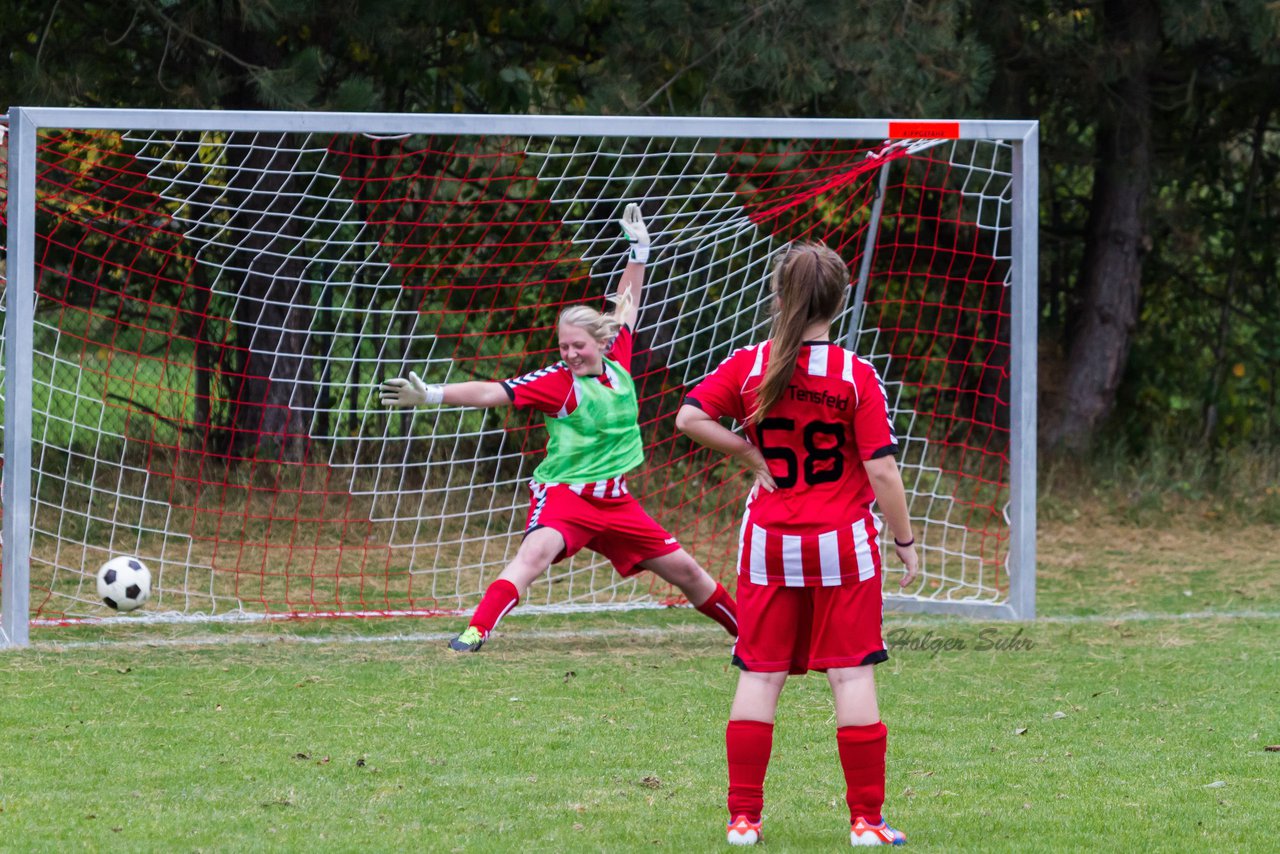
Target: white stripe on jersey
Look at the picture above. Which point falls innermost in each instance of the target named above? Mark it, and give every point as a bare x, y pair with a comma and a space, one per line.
538, 374
792, 560
893, 437
742, 539
540, 496
835, 566
829, 556
818, 360
757, 368
847, 374
862, 550
610, 488
759, 574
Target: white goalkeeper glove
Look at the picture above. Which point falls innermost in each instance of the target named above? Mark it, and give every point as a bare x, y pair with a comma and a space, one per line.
398, 391
637, 234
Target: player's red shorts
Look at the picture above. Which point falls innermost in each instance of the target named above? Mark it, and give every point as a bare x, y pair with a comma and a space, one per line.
798, 629
616, 527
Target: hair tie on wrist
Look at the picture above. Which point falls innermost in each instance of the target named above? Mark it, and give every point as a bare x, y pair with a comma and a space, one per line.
907, 544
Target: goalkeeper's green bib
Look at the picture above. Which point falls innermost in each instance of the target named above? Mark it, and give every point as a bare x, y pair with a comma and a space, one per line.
600, 439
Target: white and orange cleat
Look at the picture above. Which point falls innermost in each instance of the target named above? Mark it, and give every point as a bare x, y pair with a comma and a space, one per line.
743, 831
865, 833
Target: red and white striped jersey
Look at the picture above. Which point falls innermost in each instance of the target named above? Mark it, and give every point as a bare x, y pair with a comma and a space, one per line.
552, 390
614, 487
838, 556
817, 528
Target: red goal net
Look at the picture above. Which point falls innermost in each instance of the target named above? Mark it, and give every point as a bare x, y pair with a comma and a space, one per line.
214, 311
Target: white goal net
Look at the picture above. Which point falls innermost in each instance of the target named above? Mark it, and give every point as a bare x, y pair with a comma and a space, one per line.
214, 306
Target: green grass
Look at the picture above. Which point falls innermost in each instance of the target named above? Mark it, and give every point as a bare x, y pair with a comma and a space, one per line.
606, 733
590, 733
1100, 566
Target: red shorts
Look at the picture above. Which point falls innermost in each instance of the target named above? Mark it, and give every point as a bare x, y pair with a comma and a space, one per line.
616, 527
798, 629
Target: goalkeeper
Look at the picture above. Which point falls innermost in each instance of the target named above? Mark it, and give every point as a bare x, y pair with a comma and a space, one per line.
578, 495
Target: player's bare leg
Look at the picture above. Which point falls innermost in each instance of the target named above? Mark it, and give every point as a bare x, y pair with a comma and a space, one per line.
860, 738
757, 696
703, 592
679, 568
854, 689
748, 743
532, 559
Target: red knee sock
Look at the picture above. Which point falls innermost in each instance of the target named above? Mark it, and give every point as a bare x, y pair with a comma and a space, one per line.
748, 744
721, 608
499, 598
862, 750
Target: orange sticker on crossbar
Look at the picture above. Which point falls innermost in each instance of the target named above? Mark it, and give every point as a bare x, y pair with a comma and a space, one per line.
924, 130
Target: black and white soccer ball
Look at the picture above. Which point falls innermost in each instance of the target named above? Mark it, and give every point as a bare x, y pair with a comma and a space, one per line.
124, 583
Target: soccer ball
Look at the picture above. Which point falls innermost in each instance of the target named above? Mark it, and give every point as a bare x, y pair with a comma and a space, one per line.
124, 583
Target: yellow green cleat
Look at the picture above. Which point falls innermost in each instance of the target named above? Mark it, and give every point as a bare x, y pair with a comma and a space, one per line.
470, 640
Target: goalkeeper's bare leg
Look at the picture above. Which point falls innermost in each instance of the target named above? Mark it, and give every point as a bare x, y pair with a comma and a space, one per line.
536, 554
703, 592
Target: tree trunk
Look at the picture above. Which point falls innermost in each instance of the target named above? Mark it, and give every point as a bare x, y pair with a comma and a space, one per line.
1111, 277
273, 394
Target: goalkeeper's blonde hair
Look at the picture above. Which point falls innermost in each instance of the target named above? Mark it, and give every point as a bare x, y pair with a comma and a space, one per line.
600, 326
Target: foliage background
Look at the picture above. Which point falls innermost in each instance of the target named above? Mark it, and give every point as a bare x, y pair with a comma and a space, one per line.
1160, 148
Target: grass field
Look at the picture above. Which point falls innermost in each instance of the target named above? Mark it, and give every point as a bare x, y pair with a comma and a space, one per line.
1096, 727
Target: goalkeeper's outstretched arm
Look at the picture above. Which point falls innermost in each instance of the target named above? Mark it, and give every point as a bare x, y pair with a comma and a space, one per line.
412, 391
632, 282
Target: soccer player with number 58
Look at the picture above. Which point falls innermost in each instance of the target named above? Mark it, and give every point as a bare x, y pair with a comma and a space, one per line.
578, 495
820, 443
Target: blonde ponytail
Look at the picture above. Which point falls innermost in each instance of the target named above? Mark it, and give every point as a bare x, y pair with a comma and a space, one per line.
600, 326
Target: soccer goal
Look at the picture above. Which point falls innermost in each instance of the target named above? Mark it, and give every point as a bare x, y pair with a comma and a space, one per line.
199, 307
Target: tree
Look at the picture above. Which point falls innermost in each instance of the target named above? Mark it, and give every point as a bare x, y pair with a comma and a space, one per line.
1159, 145
1116, 235
1204, 365
791, 58
287, 54
1131, 95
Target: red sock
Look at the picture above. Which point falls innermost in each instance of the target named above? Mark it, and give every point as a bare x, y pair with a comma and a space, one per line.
721, 608
499, 598
748, 744
862, 751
